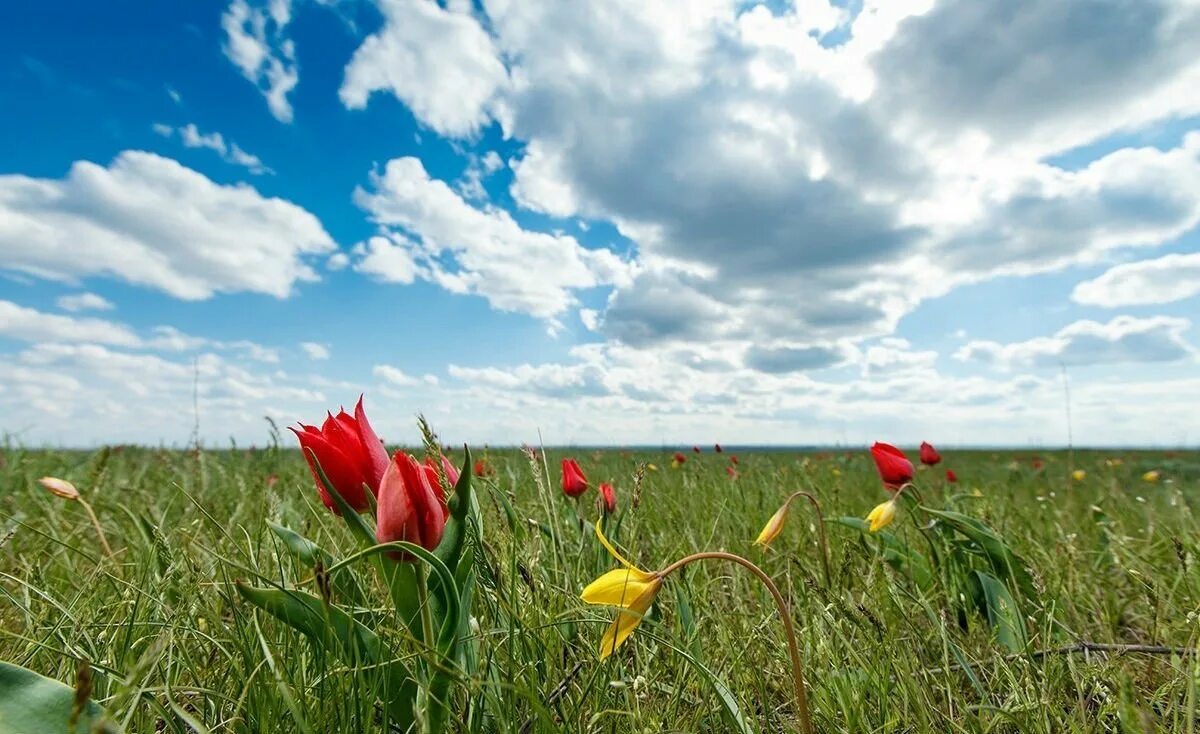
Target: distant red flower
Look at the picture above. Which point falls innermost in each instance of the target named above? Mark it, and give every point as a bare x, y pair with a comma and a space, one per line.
574, 483
733, 473
929, 455
733, 459
412, 506
483, 469
608, 498
695, 449
350, 454
717, 448
894, 467
679, 458
271, 480
1038, 464
951, 476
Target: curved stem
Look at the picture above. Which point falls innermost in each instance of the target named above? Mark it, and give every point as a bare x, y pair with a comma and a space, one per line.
789, 629
96, 525
820, 531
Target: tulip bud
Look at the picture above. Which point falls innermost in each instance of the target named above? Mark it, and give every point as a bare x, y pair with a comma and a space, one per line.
894, 467
929, 455
350, 454
412, 508
882, 516
608, 498
60, 487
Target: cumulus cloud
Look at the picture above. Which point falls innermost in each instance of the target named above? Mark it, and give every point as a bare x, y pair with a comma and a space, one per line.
257, 44
150, 221
437, 60
438, 236
396, 377
27, 324
315, 351
1125, 339
230, 152
1147, 282
84, 302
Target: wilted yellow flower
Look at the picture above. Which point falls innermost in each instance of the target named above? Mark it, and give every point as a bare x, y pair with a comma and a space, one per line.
1078, 475
773, 527
882, 516
1151, 476
60, 487
652, 467
630, 588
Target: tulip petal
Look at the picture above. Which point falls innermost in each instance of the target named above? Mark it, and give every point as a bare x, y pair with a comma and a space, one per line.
773, 527
627, 621
619, 587
613, 551
374, 447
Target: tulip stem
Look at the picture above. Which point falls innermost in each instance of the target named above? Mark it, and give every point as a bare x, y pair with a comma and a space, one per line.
96, 524
423, 606
820, 531
785, 616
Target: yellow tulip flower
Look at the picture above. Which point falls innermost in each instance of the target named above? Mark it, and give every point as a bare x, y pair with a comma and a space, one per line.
1151, 476
882, 516
1078, 475
773, 527
630, 588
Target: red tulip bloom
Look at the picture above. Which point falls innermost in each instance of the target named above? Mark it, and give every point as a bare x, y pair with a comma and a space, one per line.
679, 457
951, 476
608, 498
717, 448
695, 449
1038, 464
447, 469
929, 455
733, 473
573, 481
894, 467
412, 507
483, 469
733, 459
350, 454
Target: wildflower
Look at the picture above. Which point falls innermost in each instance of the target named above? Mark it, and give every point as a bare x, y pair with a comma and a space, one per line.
774, 526
894, 467
60, 488
695, 449
448, 469
608, 498
652, 467
1151, 476
951, 476
677, 460
717, 448
349, 453
1078, 475
882, 515
929, 455
630, 588
574, 483
733, 473
412, 507
733, 459
483, 469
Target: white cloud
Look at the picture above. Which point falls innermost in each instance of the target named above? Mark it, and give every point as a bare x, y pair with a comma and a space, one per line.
315, 351
1125, 339
150, 221
214, 141
256, 43
396, 377
438, 61
84, 302
466, 249
1147, 282
27, 324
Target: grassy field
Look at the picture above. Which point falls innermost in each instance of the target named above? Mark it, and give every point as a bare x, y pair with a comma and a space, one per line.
892, 642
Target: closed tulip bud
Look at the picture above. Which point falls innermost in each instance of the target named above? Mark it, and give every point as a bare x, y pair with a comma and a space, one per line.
1151, 476
951, 476
1078, 475
349, 453
574, 483
894, 467
60, 488
679, 458
882, 516
773, 527
608, 498
717, 448
412, 507
929, 455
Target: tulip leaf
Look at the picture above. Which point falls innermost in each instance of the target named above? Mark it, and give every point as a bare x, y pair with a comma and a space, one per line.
332, 629
730, 711
1004, 561
309, 553
1002, 611
896, 553
34, 704
454, 538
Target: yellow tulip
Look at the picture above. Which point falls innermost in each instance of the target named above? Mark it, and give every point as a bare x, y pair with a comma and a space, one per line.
652, 467
1151, 476
773, 527
882, 516
60, 487
1078, 475
630, 588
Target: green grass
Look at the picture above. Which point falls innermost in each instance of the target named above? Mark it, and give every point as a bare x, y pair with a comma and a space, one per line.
1113, 560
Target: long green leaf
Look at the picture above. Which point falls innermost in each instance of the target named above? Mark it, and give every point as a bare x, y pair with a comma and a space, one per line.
1003, 612
34, 704
1004, 561
895, 552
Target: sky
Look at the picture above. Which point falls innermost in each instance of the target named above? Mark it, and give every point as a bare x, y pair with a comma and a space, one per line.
615, 222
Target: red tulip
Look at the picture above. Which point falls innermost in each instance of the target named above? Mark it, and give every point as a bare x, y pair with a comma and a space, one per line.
717, 448
929, 455
573, 481
695, 449
894, 467
733, 459
483, 469
733, 474
412, 507
951, 476
350, 454
679, 457
608, 498
447, 468
1038, 464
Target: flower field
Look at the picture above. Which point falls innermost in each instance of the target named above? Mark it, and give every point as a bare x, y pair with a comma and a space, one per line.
215, 590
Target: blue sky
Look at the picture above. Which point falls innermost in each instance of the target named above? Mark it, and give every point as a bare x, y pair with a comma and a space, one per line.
621, 223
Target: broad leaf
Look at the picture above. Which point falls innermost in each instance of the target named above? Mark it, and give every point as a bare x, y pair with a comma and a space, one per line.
34, 704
